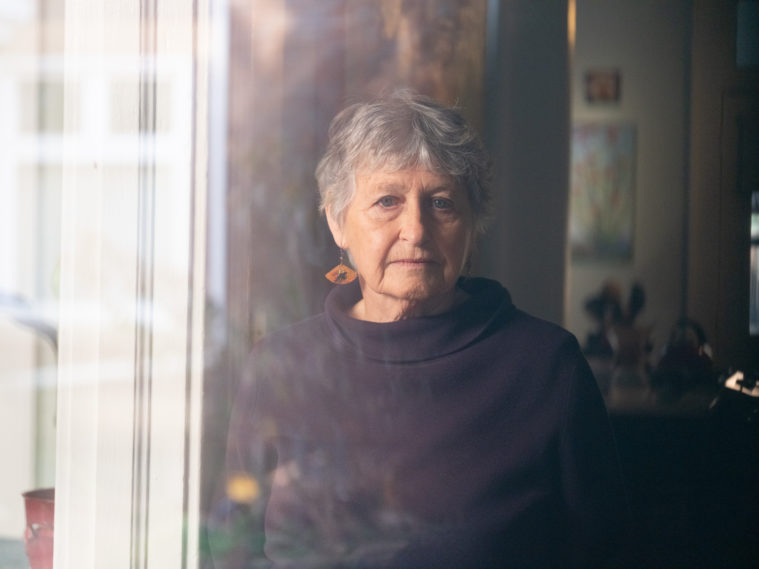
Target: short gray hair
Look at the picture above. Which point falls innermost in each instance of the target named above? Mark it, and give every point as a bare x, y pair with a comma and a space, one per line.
403, 130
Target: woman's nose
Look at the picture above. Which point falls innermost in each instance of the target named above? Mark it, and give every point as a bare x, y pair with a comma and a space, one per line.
413, 224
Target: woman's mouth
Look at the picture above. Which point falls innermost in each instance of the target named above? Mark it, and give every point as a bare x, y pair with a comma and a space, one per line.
414, 262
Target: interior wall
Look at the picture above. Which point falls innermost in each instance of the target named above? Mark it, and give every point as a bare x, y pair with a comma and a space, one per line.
647, 41
527, 131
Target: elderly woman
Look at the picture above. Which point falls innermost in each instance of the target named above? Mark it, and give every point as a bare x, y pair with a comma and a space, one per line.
420, 421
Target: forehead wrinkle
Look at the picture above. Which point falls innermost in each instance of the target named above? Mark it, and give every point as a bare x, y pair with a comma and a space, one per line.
390, 186
400, 182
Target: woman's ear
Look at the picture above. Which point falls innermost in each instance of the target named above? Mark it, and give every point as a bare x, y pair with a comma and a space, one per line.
335, 229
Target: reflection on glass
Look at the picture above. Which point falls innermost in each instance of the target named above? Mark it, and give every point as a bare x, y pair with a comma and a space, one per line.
31, 122
292, 66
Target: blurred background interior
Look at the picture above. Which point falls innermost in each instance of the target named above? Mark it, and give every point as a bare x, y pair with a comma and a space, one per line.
625, 138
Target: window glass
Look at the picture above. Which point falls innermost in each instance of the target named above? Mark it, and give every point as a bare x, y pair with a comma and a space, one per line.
31, 121
292, 67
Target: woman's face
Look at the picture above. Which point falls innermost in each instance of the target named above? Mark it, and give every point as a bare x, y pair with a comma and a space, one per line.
409, 233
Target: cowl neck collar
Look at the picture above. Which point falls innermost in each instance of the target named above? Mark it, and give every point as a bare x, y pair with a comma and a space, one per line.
418, 339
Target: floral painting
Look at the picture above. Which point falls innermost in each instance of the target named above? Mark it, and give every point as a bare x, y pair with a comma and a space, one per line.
602, 192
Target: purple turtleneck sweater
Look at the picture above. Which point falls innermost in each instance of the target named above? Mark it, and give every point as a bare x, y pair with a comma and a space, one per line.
471, 439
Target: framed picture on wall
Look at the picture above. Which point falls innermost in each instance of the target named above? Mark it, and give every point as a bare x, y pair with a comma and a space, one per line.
603, 86
602, 192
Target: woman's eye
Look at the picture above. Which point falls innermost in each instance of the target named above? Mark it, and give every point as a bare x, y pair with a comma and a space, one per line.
442, 203
387, 201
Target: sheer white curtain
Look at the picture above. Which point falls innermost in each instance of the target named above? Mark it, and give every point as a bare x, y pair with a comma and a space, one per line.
134, 202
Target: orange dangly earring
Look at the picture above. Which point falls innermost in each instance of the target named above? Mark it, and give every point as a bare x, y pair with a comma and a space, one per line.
342, 273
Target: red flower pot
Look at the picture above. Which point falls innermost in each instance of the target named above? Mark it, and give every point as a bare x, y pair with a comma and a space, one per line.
38, 536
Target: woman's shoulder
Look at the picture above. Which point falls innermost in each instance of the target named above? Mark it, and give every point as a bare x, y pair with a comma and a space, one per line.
514, 320
545, 330
284, 357
290, 343
296, 332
